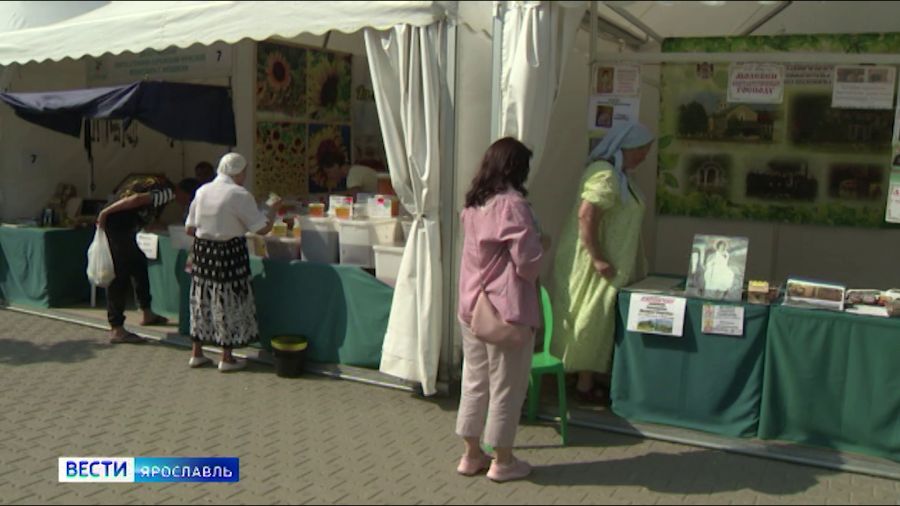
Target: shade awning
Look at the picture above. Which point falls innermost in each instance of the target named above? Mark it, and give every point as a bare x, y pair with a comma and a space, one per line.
136, 26
181, 111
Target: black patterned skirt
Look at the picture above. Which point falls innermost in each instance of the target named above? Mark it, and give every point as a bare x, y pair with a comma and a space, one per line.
223, 310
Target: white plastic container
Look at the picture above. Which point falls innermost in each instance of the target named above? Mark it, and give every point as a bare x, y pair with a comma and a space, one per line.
355, 239
319, 240
387, 263
386, 232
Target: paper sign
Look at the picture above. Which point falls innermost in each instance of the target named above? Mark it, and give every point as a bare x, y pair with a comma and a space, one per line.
863, 87
656, 314
605, 113
618, 81
893, 203
723, 320
149, 244
755, 83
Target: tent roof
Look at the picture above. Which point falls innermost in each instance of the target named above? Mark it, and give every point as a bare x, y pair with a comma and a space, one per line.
120, 26
717, 19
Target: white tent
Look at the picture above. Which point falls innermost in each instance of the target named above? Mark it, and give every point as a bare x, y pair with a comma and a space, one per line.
631, 32
424, 179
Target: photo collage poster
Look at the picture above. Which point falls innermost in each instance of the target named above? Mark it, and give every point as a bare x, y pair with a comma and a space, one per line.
303, 119
800, 159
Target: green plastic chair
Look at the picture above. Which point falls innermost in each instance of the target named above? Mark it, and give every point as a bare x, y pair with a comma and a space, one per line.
544, 363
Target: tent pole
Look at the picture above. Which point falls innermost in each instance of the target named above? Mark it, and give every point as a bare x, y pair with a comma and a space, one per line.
447, 214
497, 69
621, 11
768, 17
820, 58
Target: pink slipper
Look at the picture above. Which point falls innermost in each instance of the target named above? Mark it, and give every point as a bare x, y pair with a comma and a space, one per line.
471, 467
515, 470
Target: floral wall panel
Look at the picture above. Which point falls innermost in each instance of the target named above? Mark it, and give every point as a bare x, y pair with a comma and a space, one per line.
281, 154
329, 155
281, 85
329, 86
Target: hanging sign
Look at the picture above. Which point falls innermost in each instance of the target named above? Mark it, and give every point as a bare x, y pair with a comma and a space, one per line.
723, 320
755, 83
148, 244
618, 81
863, 87
656, 314
171, 64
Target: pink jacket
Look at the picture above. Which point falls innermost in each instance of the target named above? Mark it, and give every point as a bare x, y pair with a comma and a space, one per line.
502, 249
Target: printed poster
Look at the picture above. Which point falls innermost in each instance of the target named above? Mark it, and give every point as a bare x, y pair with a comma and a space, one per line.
656, 314
723, 320
893, 204
755, 83
863, 87
606, 112
618, 81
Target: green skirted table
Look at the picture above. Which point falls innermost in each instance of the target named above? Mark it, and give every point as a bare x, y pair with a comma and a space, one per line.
704, 382
833, 380
44, 267
341, 309
166, 278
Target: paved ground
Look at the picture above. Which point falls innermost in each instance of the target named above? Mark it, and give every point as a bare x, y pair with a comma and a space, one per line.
67, 393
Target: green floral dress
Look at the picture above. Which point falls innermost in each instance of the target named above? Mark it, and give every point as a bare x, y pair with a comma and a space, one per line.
584, 303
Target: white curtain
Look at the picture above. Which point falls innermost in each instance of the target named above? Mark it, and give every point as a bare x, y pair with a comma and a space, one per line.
407, 76
537, 37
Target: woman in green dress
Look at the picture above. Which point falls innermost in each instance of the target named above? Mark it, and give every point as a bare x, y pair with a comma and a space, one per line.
600, 251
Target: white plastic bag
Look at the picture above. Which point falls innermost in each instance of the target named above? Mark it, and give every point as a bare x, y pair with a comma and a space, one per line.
100, 270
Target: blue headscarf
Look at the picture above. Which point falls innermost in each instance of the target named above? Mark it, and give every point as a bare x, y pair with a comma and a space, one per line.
627, 135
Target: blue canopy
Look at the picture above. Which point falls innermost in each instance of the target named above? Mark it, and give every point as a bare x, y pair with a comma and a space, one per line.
182, 111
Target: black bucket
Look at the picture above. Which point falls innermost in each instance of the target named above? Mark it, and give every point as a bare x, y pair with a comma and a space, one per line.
290, 354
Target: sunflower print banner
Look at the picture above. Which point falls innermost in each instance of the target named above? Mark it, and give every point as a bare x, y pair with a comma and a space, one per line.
280, 159
329, 87
329, 155
281, 80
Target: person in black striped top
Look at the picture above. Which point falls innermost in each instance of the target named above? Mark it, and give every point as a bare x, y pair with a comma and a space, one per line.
139, 204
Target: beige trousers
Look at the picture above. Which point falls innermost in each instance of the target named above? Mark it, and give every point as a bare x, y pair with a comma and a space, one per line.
494, 386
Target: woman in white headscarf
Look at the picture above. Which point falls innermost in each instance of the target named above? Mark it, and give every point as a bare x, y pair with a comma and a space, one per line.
223, 310
600, 251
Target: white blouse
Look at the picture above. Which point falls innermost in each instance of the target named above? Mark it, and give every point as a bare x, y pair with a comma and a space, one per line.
223, 210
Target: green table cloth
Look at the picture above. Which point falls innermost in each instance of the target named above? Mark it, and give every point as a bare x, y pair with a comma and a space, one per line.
704, 382
833, 380
341, 309
166, 277
44, 267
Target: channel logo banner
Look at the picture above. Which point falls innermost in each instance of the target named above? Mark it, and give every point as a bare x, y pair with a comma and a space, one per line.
149, 469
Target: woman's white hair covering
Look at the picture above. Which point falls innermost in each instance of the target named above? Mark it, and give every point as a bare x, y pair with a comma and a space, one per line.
232, 164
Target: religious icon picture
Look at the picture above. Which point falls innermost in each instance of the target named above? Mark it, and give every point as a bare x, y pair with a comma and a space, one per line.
717, 267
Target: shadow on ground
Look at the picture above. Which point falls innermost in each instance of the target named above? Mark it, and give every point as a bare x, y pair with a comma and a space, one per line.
678, 474
17, 352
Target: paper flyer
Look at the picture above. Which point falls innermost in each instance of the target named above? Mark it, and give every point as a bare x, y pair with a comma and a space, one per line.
606, 112
656, 314
755, 83
863, 87
618, 81
149, 244
723, 320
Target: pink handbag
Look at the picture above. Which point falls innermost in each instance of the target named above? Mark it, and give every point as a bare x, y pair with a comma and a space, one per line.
488, 326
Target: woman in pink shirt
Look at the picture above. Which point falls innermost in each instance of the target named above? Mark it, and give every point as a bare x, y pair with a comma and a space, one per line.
501, 253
